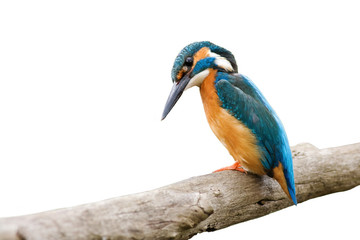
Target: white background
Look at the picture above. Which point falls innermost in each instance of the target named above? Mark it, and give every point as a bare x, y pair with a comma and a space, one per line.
83, 85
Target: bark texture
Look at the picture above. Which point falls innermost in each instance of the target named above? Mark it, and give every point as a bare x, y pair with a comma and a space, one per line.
195, 205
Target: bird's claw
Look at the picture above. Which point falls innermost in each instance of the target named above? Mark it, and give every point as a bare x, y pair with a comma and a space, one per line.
236, 166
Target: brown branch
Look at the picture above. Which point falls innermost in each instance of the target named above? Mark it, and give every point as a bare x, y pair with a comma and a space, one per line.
195, 205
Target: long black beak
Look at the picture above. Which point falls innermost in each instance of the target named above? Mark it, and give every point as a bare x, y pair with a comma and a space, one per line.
176, 92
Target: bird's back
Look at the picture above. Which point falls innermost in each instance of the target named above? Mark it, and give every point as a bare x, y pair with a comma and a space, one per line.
248, 127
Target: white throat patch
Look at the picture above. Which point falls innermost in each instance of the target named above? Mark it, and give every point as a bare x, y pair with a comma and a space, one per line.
197, 79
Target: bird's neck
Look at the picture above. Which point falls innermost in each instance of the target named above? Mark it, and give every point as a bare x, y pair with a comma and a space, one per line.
208, 93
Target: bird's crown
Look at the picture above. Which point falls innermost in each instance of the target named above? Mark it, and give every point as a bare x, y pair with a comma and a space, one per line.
189, 56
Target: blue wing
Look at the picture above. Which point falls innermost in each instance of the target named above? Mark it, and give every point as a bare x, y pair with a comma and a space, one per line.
244, 101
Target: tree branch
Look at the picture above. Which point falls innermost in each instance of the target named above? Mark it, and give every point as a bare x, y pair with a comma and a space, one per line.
195, 205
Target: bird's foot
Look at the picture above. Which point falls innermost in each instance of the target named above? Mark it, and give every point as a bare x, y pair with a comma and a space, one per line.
236, 166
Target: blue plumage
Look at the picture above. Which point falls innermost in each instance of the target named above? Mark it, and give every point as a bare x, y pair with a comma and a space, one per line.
245, 102
263, 145
204, 64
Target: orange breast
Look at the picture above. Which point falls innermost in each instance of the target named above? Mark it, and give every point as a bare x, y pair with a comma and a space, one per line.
236, 137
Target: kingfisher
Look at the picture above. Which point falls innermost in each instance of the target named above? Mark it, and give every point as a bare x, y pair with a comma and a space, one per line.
237, 112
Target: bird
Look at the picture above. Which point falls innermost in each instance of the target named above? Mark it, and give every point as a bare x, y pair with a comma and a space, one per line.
237, 112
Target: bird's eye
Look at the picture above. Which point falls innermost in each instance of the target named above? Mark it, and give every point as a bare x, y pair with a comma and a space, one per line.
189, 61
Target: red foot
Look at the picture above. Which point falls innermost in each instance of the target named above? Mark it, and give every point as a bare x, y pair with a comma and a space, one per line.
236, 166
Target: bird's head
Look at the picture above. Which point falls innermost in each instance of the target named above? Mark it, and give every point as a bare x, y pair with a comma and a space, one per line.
193, 65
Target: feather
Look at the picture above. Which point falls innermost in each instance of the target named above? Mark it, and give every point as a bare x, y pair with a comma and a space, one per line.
243, 100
